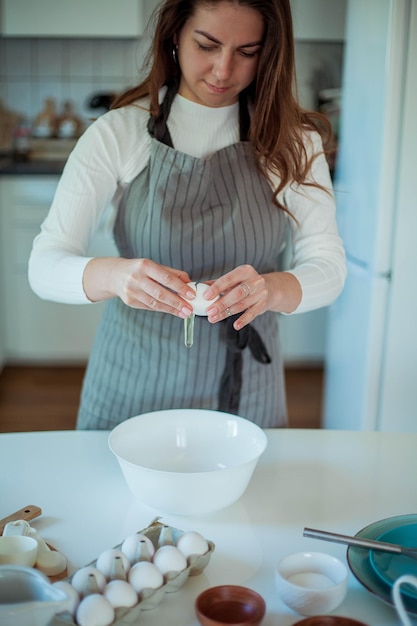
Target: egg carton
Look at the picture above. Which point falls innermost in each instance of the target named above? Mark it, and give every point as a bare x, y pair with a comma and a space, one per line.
150, 598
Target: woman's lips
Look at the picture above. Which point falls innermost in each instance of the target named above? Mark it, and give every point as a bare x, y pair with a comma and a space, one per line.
217, 90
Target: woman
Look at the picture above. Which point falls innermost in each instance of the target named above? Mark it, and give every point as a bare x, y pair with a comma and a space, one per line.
208, 162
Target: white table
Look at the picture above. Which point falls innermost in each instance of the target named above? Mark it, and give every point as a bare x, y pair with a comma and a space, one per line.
333, 480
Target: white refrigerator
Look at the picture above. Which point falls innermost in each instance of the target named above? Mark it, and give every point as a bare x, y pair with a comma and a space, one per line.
371, 341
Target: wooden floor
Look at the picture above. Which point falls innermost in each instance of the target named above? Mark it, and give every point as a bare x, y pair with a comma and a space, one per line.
46, 398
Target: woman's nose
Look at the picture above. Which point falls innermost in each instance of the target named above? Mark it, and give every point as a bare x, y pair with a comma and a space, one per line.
223, 66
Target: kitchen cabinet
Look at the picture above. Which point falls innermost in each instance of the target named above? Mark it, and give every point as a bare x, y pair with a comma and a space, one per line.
77, 18
319, 20
314, 20
38, 330
322, 20
303, 338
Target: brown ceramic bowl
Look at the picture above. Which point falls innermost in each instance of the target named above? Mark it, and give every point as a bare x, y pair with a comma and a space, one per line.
230, 605
329, 620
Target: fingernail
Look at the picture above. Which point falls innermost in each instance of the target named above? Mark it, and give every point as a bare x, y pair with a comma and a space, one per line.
185, 313
190, 295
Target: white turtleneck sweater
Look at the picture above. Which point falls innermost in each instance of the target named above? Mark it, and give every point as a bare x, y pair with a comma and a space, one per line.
112, 152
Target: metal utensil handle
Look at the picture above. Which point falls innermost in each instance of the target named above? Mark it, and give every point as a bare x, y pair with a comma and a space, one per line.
352, 541
27, 513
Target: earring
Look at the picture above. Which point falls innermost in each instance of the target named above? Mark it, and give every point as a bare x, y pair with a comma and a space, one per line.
175, 53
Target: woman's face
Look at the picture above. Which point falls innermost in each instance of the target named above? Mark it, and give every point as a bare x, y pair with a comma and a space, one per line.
218, 52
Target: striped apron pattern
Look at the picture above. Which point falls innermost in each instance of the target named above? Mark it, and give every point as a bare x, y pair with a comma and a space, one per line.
204, 216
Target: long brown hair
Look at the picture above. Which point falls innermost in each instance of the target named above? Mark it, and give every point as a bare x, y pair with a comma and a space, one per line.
278, 122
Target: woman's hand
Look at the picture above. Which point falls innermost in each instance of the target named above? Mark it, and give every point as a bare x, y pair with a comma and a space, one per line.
139, 283
244, 290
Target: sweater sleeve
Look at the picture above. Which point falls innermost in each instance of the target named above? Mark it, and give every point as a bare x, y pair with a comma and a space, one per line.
318, 256
94, 177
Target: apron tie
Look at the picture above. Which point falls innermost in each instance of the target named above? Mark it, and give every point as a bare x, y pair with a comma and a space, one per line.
231, 380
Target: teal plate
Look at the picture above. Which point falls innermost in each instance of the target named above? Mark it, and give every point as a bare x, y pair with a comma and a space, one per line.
388, 566
362, 566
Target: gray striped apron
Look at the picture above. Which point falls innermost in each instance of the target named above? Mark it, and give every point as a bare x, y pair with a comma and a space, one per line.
204, 216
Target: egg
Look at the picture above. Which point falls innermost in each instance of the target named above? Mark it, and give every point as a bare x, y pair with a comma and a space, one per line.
120, 594
145, 575
95, 610
199, 304
113, 563
72, 593
88, 579
169, 559
138, 547
192, 543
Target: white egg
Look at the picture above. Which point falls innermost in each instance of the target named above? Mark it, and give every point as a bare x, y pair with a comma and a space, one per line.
191, 542
120, 594
169, 559
145, 575
95, 610
113, 563
88, 579
72, 593
199, 304
138, 547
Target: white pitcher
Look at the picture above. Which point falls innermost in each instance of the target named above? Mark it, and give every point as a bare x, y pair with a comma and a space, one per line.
27, 598
397, 598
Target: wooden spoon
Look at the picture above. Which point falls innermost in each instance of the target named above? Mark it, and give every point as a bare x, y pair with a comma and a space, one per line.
28, 513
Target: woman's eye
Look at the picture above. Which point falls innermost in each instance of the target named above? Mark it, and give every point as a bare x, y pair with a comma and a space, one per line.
212, 48
248, 54
205, 48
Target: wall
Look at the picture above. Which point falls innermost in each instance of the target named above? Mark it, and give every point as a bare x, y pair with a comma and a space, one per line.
32, 70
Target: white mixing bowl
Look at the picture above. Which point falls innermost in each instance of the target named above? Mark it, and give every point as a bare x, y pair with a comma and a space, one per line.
187, 461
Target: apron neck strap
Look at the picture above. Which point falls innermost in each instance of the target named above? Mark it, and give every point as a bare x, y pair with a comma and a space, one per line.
244, 117
158, 128
157, 125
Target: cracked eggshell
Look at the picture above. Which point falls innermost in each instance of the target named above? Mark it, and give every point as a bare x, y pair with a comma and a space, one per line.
199, 304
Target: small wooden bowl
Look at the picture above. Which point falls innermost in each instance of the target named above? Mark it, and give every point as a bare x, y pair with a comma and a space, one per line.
230, 605
329, 620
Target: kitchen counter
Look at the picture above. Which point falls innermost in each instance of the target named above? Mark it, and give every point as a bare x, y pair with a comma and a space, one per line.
333, 480
32, 167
